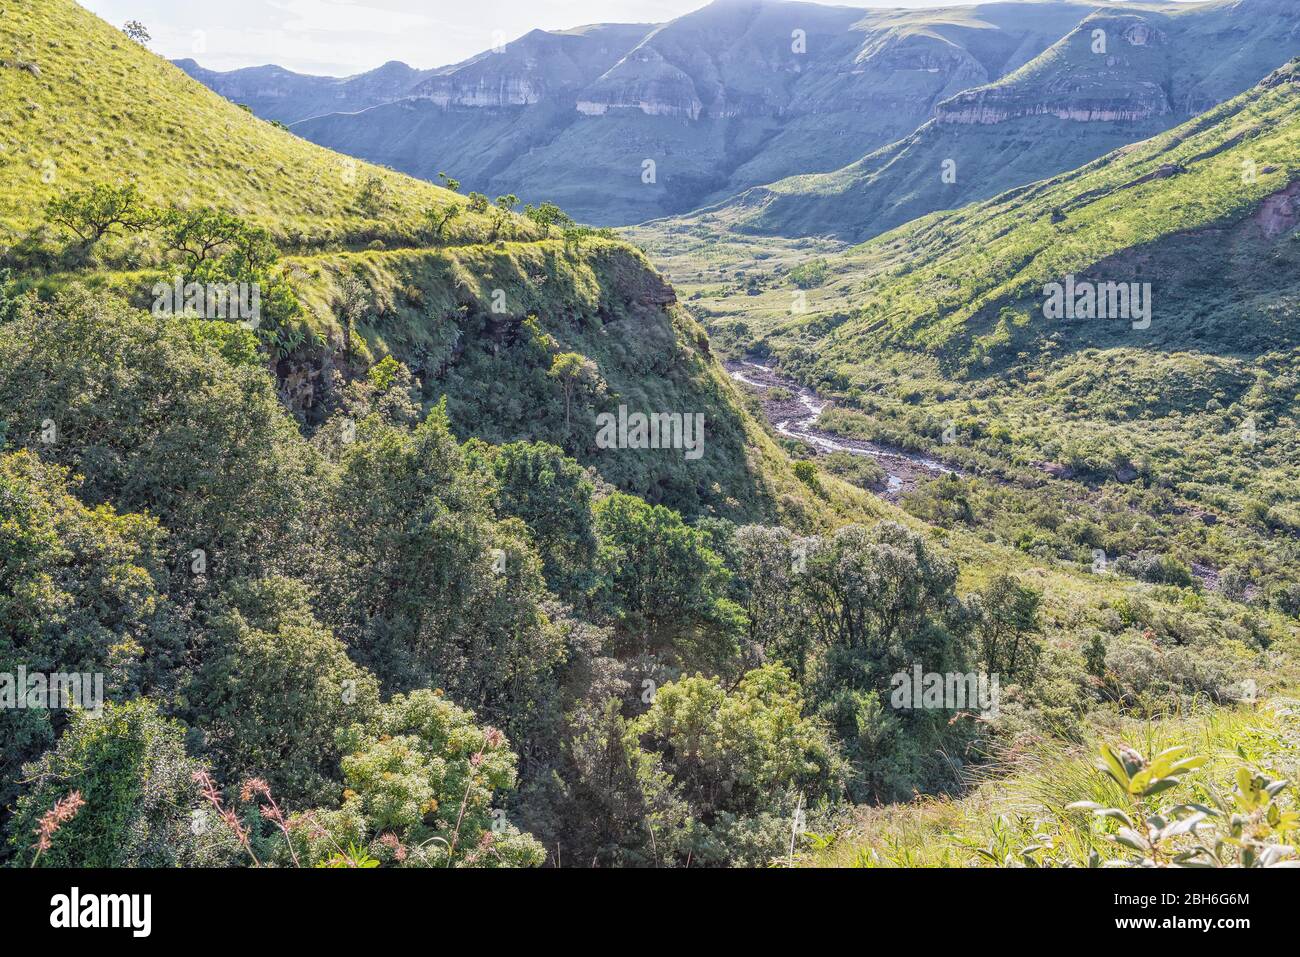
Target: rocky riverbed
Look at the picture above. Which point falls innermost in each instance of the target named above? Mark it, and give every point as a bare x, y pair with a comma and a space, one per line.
796, 417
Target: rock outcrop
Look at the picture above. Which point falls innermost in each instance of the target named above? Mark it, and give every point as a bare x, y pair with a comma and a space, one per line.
1111, 69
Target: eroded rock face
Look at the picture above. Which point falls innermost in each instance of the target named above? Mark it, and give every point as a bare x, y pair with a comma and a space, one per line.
1279, 213
1081, 111
643, 80
882, 70
537, 68
495, 92
1108, 70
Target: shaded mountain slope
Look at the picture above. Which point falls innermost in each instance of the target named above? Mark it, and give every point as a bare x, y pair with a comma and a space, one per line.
275, 93
941, 328
1117, 78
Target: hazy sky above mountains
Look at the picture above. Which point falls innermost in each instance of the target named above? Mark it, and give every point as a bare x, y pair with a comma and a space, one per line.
341, 37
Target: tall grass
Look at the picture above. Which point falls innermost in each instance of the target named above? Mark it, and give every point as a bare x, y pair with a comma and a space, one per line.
1015, 813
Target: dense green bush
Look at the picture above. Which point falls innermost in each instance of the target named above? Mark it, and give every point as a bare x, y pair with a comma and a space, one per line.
275, 689
81, 591
546, 490
663, 586
420, 790
150, 413
746, 762
129, 766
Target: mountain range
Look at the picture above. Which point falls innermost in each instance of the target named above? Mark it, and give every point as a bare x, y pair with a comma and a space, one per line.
1118, 77
798, 119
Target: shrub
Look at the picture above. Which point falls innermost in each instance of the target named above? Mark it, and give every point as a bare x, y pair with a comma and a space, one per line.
130, 767
420, 788
806, 472
1140, 672
741, 759
810, 274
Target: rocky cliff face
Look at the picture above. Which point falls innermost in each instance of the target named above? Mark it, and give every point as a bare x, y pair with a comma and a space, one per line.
1147, 102
643, 80
1110, 69
748, 60
538, 67
485, 93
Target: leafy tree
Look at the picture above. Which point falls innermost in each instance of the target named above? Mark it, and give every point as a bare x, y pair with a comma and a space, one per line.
218, 247
94, 213
248, 256
538, 484
622, 807
746, 761
769, 563
1094, 656
574, 372
810, 274
203, 232
662, 585
576, 235
806, 472
354, 301
275, 689
1006, 617
737, 750
427, 587
502, 211
449, 182
879, 601
547, 215
440, 217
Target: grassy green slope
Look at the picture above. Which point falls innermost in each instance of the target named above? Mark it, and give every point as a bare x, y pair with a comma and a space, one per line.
947, 271
1023, 801
83, 105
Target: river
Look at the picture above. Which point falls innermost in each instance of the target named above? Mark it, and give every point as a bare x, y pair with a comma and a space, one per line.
796, 418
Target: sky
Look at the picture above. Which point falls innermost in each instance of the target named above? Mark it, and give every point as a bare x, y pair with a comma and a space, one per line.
343, 37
